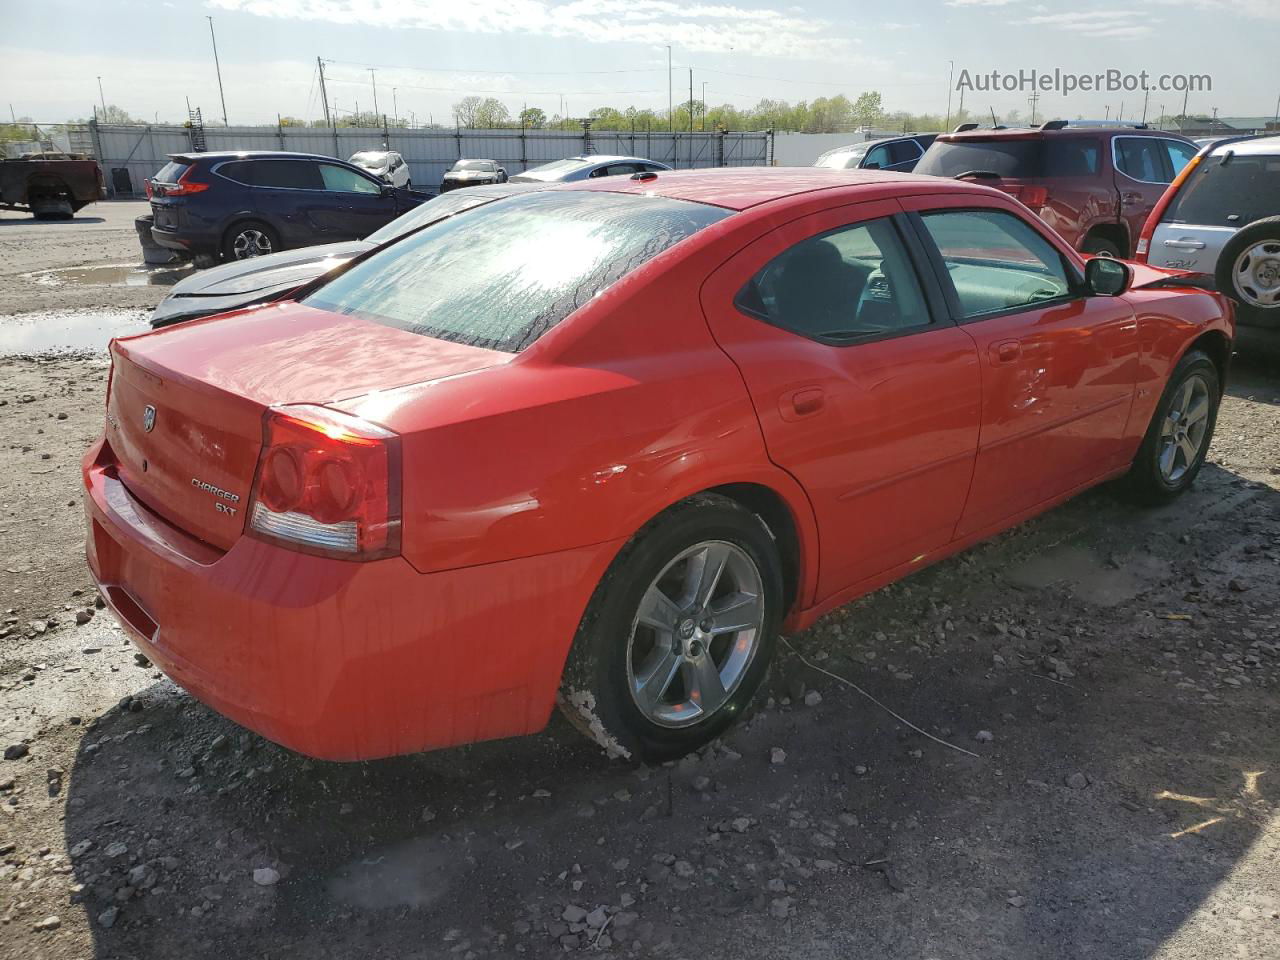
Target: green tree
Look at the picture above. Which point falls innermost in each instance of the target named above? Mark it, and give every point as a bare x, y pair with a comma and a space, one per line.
465, 110
868, 109
491, 113
535, 118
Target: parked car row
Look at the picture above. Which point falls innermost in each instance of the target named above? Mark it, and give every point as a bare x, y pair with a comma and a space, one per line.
597, 443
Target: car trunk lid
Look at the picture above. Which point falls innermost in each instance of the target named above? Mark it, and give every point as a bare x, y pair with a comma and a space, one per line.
186, 404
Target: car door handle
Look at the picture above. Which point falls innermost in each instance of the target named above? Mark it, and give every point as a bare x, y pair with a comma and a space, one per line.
1131, 199
1006, 351
804, 402
1185, 244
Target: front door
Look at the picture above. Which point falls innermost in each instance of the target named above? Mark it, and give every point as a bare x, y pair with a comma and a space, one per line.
356, 204
1058, 367
866, 393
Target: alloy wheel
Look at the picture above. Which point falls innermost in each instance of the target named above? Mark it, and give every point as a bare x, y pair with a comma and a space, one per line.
698, 628
1182, 435
251, 242
1257, 274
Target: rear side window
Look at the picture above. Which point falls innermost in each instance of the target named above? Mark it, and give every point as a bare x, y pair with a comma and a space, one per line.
1180, 154
290, 174
1232, 194
1071, 157
504, 274
1143, 158
878, 156
902, 151
848, 284
171, 172
1005, 158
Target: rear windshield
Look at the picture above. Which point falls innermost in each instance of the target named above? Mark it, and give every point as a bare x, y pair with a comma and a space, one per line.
504, 274
1005, 158
369, 159
559, 166
437, 208
1232, 194
171, 172
845, 160
473, 165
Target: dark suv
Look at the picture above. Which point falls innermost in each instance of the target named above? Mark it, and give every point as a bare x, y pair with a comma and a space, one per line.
1094, 184
239, 205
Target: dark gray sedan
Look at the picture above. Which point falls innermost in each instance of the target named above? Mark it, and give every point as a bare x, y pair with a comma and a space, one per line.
244, 283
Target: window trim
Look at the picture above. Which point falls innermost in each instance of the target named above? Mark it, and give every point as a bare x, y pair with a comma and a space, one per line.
934, 303
1075, 280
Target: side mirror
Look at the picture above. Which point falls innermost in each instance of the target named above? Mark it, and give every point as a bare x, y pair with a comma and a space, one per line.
387, 190
871, 166
1107, 277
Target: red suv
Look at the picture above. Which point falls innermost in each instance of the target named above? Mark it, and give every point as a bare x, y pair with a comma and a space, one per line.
1095, 185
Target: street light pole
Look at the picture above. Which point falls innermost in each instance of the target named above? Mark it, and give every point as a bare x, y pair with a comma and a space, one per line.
103, 99
703, 124
951, 83
218, 67
395, 109
671, 114
374, 78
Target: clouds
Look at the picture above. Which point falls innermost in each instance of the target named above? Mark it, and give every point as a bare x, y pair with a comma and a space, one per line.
1097, 23
702, 27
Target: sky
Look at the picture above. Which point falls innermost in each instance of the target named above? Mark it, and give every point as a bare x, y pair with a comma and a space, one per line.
154, 56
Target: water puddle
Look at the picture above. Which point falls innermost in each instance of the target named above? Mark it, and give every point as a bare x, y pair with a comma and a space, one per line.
111, 275
1089, 578
79, 332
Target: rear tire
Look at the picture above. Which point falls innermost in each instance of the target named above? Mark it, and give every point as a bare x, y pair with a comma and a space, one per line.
1181, 429
248, 239
679, 633
1248, 272
1100, 247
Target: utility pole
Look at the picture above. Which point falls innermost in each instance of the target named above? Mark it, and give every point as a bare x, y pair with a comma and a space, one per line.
671, 115
1186, 93
374, 79
324, 94
395, 110
100, 97
1033, 100
218, 67
951, 83
1146, 98
691, 118
703, 124
1108, 109
1276, 121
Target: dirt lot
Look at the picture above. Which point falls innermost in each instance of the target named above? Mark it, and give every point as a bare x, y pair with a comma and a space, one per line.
1116, 672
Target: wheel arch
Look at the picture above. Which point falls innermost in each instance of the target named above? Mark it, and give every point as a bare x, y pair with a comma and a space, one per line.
1217, 345
1117, 233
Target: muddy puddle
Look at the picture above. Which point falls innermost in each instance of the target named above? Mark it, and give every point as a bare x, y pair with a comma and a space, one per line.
111, 275
69, 332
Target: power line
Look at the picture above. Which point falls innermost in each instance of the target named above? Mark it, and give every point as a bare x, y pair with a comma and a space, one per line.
538, 73
509, 93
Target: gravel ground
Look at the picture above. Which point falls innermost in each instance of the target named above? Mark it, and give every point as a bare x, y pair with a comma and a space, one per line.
1116, 673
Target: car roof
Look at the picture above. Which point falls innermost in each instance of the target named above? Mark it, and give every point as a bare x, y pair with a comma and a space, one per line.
1253, 146
1066, 133
256, 155
737, 188
606, 158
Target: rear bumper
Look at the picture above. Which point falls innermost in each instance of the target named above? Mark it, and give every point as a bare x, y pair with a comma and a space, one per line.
339, 660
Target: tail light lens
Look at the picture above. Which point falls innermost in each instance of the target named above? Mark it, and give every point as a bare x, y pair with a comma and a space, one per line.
1143, 249
147, 183
327, 483
185, 186
1035, 197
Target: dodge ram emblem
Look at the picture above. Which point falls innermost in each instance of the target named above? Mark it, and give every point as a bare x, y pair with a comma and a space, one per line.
148, 418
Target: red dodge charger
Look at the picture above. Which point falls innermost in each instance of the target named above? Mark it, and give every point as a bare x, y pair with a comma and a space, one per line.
599, 445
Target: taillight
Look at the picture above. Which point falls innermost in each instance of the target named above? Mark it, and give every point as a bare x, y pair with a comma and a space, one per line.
185, 186
327, 483
1143, 248
1035, 197
147, 184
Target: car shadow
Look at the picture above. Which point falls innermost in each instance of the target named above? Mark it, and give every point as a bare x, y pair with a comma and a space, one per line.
33, 222
1095, 661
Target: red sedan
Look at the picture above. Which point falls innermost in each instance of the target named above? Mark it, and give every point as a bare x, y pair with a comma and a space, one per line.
600, 444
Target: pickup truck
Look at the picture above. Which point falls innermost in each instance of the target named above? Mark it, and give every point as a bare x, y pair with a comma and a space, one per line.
51, 187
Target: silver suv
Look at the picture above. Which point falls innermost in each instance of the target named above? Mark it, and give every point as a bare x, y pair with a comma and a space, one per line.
1221, 217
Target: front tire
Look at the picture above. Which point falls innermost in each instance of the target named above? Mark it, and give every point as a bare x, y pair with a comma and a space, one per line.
1178, 438
679, 633
1248, 270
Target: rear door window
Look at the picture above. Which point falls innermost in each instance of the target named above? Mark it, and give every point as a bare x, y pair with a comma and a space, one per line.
503, 274
1234, 193
1019, 159
903, 151
1180, 154
878, 157
854, 283
1071, 157
1143, 158
289, 174
344, 180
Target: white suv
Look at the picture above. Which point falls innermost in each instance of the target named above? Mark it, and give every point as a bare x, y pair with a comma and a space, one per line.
1221, 217
387, 164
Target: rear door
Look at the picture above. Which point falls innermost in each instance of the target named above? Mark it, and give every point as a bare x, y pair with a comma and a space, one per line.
1076, 192
1058, 367
866, 393
1144, 168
